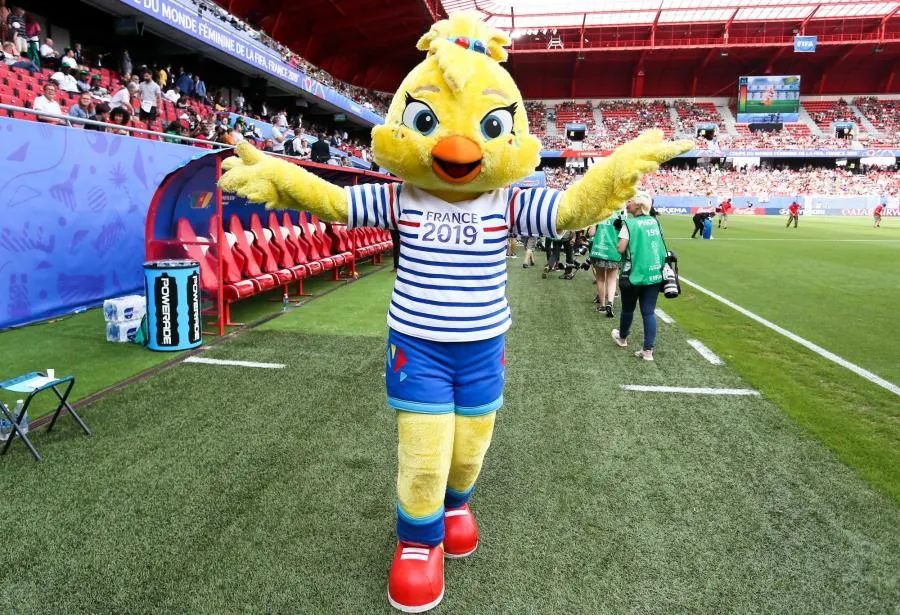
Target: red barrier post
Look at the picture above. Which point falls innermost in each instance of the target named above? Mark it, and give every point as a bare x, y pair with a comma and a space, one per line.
220, 238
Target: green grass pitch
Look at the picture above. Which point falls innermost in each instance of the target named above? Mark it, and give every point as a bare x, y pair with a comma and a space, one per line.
210, 489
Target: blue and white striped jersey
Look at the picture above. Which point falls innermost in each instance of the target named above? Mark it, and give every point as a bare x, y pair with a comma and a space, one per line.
451, 278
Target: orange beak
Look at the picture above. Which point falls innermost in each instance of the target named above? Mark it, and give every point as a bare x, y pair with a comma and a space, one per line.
456, 160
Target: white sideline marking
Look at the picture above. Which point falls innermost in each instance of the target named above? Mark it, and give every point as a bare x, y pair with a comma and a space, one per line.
664, 317
705, 352
856, 369
640, 388
235, 363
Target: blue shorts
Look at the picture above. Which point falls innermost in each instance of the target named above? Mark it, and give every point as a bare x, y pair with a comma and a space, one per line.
442, 377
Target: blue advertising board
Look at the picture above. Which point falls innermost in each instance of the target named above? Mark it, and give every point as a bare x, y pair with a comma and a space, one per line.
761, 153
255, 54
805, 44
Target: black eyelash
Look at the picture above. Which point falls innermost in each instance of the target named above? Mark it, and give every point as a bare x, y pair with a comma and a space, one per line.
409, 98
510, 108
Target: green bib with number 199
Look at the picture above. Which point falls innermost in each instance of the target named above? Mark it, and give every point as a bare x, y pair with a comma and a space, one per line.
647, 250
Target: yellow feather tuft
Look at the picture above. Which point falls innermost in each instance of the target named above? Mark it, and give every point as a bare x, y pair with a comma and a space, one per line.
468, 24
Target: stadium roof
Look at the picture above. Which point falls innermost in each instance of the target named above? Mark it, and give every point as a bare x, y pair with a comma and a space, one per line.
529, 14
607, 48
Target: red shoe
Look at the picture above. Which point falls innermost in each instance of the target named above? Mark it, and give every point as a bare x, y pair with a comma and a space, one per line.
416, 582
460, 532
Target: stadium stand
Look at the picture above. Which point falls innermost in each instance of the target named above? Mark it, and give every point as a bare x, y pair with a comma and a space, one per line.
884, 116
574, 113
691, 113
771, 182
825, 112
624, 120
537, 117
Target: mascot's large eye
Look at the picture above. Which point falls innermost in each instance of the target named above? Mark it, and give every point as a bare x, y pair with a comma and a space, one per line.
419, 117
497, 123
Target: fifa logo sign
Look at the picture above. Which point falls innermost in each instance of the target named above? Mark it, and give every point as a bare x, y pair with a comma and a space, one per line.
805, 44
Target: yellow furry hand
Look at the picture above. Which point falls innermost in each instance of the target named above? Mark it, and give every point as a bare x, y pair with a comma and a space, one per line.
613, 181
281, 185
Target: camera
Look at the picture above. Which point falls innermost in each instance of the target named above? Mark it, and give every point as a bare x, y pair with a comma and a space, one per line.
670, 286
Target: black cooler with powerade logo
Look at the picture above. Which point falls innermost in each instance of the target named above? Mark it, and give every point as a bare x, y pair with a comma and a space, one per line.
172, 288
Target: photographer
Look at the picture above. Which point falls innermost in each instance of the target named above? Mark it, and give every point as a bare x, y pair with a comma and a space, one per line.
644, 252
605, 259
566, 242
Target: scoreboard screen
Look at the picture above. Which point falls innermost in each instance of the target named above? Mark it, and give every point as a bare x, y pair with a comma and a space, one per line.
768, 99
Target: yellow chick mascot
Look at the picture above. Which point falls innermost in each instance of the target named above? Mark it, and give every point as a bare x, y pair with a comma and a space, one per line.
457, 134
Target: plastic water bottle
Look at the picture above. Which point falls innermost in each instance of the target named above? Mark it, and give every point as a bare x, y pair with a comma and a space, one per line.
23, 424
284, 302
5, 428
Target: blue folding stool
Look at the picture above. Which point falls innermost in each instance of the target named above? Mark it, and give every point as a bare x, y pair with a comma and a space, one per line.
32, 384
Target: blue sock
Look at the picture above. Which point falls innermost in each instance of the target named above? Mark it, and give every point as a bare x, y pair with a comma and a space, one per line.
455, 499
421, 530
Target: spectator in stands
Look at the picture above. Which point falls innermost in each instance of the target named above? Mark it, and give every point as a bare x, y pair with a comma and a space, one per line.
301, 149
199, 89
125, 65
101, 114
173, 95
46, 103
68, 60
151, 97
319, 151
65, 81
239, 102
83, 109
49, 55
175, 127
12, 58
4, 16
162, 76
15, 24
33, 38
97, 90
78, 54
121, 117
184, 83
122, 98
82, 81
279, 134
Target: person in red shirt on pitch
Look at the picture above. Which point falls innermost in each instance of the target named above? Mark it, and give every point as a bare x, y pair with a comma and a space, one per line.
725, 208
879, 209
793, 214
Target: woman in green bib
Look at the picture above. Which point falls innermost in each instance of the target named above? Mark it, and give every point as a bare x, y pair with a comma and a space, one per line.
644, 252
605, 259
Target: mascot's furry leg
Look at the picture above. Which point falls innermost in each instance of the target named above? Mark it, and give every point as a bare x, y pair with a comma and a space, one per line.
424, 453
471, 440
439, 459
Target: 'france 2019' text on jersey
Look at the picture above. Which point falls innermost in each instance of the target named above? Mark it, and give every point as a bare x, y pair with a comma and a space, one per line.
451, 278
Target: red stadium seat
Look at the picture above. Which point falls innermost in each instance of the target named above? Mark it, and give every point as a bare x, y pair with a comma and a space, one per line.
208, 279
234, 262
268, 263
298, 242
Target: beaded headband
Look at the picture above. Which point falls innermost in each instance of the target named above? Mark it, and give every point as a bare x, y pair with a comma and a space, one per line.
470, 44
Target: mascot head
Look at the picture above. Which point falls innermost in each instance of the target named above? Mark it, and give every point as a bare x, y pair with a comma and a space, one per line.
458, 123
